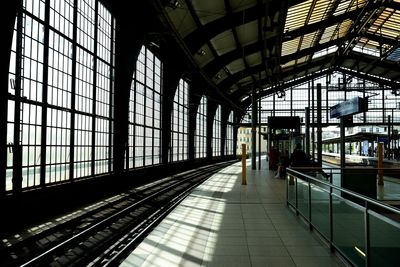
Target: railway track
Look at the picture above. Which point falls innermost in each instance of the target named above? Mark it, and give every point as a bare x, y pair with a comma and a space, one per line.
105, 234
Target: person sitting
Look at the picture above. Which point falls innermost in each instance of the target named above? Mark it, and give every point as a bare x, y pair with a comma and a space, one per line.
282, 165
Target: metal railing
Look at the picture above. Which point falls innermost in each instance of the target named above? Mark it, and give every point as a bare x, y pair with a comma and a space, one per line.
364, 231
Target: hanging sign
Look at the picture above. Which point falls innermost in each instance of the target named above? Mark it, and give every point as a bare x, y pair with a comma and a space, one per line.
349, 107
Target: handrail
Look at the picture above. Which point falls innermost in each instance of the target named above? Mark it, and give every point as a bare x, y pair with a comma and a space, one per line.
363, 203
347, 191
351, 168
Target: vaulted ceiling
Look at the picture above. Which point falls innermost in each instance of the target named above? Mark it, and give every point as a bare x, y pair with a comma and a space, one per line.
239, 45
242, 44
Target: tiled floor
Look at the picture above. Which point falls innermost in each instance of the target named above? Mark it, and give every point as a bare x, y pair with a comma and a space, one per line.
223, 223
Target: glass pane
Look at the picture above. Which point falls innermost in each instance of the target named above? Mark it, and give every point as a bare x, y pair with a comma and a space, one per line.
348, 229
302, 197
291, 181
320, 210
384, 240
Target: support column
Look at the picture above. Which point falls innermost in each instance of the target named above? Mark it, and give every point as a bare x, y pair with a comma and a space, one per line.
380, 163
364, 113
127, 50
8, 18
319, 126
312, 121
259, 133
253, 129
244, 164
307, 133
342, 144
389, 127
193, 98
17, 148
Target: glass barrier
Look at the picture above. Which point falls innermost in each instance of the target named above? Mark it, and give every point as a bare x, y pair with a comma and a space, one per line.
384, 240
291, 189
366, 232
302, 197
348, 229
320, 210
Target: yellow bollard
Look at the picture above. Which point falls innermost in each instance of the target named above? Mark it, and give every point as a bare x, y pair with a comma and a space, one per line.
244, 164
380, 163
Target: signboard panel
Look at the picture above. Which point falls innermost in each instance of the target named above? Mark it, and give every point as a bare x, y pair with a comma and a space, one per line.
284, 122
349, 107
384, 140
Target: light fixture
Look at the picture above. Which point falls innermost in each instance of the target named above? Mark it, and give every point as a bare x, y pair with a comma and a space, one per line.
174, 4
281, 94
202, 52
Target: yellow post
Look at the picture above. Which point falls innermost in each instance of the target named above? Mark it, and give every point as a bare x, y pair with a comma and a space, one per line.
380, 163
244, 164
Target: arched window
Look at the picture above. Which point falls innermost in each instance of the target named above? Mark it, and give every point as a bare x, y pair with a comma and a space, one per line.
179, 120
60, 93
144, 142
217, 133
201, 129
229, 135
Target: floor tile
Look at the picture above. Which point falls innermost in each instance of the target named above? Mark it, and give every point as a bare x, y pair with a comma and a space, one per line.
223, 223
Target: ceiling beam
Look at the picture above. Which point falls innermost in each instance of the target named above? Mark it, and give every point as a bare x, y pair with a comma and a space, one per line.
369, 12
235, 36
285, 73
323, 60
310, 51
380, 39
246, 103
317, 39
196, 39
177, 39
386, 64
286, 58
261, 29
364, 76
214, 66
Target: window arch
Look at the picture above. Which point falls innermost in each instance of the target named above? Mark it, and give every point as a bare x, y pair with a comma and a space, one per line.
179, 120
144, 131
217, 132
201, 129
229, 136
61, 92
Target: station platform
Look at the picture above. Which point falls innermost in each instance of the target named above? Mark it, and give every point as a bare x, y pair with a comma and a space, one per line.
225, 223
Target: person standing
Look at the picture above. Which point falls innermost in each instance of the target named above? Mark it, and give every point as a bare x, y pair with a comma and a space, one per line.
298, 157
273, 157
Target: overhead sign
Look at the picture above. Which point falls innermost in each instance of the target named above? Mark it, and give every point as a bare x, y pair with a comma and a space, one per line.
284, 122
349, 107
383, 140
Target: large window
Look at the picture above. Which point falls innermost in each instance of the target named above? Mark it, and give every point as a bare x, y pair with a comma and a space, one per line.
144, 143
201, 129
229, 136
382, 101
60, 92
179, 120
217, 133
